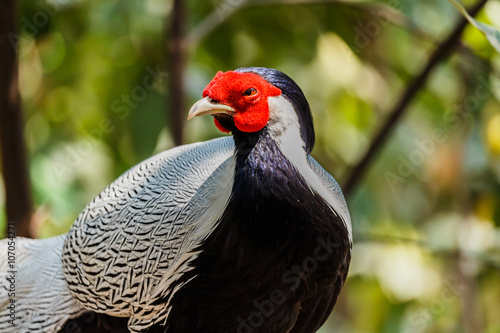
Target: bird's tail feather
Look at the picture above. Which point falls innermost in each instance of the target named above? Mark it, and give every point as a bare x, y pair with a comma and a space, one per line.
33, 293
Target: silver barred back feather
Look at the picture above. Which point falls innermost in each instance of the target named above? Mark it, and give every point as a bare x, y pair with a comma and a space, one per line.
135, 238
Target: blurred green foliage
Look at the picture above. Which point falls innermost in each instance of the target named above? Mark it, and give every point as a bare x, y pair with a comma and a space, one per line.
426, 216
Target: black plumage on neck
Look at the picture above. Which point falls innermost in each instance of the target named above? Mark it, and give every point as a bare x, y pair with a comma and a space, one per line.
272, 225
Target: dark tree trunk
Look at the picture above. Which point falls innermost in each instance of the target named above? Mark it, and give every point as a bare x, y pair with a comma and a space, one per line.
177, 62
14, 164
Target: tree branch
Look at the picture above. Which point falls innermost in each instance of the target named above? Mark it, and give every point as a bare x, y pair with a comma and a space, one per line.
177, 55
14, 164
441, 52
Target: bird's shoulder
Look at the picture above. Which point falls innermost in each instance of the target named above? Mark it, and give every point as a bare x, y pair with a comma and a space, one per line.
173, 174
132, 237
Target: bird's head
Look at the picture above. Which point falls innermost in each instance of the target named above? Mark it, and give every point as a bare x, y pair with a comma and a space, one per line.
248, 100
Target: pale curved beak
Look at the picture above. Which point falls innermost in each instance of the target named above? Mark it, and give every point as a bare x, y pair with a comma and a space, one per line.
207, 106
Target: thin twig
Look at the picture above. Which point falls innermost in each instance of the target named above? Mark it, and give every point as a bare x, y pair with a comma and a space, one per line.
226, 9
380, 10
400, 107
14, 164
222, 12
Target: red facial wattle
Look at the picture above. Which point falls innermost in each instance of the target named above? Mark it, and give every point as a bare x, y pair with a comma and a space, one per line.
247, 93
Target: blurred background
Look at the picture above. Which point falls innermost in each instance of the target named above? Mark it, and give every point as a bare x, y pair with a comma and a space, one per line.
107, 83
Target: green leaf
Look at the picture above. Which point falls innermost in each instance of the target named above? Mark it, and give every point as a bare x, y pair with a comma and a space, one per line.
491, 33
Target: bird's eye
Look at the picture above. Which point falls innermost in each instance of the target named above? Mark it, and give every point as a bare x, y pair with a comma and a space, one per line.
250, 92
